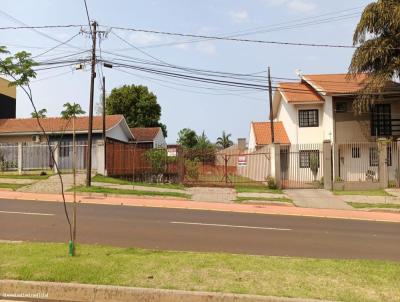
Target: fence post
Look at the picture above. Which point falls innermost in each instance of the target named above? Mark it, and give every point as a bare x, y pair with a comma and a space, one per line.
101, 161
327, 165
383, 168
56, 155
275, 151
19, 159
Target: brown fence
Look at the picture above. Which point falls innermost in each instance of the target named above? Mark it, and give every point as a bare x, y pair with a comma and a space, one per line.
131, 161
193, 167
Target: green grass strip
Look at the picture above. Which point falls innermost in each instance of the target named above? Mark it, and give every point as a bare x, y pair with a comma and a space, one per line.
25, 176
363, 193
103, 190
358, 205
244, 199
117, 181
334, 280
256, 189
11, 186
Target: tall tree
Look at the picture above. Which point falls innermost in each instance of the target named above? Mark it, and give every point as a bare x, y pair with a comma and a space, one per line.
377, 36
137, 104
187, 138
42, 113
70, 112
224, 140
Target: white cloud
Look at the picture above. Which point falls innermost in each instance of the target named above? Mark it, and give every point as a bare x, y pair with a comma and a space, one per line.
239, 16
207, 48
301, 6
182, 46
142, 38
298, 6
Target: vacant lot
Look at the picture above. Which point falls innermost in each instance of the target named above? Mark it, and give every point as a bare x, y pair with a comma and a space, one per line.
340, 280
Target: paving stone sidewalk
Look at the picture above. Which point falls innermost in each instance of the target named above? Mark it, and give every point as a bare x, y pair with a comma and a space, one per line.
53, 185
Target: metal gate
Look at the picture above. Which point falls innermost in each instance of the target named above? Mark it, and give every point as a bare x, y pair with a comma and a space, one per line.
302, 166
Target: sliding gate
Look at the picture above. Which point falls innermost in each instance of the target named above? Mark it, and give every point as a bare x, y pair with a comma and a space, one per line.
302, 166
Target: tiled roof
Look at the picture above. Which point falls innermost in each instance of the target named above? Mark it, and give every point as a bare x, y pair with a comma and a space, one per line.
299, 93
332, 84
262, 133
56, 124
145, 134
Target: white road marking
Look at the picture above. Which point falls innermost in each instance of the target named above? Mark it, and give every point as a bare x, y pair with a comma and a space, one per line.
230, 226
26, 213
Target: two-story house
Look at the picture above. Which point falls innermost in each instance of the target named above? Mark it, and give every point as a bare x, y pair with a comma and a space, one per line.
319, 107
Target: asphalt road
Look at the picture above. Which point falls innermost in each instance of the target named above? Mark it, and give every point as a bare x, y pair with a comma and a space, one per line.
192, 230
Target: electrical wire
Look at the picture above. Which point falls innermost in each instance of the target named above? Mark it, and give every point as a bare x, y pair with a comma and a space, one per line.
58, 45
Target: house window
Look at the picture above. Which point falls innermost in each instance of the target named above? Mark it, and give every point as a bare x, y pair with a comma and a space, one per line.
373, 157
306, 157
355, 152
308, 118
64, 150
381, 120
341, 107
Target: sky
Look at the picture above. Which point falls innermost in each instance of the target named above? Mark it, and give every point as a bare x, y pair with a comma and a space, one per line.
211, 111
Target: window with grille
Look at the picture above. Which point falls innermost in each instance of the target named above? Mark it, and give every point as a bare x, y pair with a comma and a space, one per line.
373, 157
381, 120
355, 152
308, 118
341, 107
306, 156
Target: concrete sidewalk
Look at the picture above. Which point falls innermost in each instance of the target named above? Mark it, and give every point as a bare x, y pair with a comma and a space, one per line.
207, 206
317, 199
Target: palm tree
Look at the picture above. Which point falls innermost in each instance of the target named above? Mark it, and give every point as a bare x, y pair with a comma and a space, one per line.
224, 141
70, 113
39, 114
377, 38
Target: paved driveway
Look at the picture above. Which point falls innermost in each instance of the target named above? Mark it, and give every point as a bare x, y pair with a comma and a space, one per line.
319, 199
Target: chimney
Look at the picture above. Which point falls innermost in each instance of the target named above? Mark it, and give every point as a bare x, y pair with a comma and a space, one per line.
242, 144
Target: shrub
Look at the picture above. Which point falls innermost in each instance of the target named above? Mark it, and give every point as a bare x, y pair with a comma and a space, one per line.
192, 169
271, 183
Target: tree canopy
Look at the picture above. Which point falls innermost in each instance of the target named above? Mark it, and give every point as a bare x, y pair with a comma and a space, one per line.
137, 104
42, 113
71, 111
224, 141
187, 138
377, 36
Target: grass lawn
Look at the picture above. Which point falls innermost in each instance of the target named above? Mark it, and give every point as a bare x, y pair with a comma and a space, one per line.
365, 193
129, 192
10, 186
244, 199
339, 280
256, 189
357, 205
112, 180
25, 176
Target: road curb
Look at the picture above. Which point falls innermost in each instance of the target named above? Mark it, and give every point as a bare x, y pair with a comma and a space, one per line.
104, 293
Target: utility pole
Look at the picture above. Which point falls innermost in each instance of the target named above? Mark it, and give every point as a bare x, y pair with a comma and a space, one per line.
90, 130
271, 112
104, 123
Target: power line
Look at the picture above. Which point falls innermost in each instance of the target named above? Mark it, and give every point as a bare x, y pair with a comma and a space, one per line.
88, 18
40, 26
166, 33
58, 45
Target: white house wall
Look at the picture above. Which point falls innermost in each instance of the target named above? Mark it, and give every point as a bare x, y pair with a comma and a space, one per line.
117, 133
252, 140
159, 140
